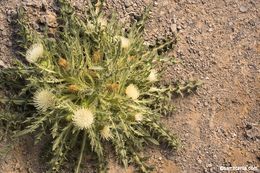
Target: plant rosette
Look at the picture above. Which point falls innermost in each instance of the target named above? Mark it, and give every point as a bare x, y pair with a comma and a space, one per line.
91, 84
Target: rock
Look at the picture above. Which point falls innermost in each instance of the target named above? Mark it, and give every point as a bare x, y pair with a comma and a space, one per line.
130, 9
252, 23
31, 3
252, 132
128, 3
4, 33
233, 135
179, 28
174, 28
209, 165
199, 161
2, 27
243, 9
210, 29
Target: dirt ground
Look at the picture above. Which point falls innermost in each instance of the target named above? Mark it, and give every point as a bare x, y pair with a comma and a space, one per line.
219, 43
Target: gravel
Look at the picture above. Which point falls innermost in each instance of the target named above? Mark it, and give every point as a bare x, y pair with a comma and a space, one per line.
218, 42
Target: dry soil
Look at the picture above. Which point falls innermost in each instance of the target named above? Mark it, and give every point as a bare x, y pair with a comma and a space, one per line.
218, 43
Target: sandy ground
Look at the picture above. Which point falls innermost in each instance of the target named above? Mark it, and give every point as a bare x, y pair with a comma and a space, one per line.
219, 43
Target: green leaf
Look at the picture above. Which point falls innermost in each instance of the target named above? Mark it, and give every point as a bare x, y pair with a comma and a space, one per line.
152, 140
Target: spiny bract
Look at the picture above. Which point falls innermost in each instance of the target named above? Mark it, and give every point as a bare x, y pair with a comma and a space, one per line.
92, 84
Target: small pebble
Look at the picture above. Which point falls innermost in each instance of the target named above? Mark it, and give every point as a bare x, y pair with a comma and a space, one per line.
243, 9
127, 3
210, 29
174, 28
209, 165
199, 161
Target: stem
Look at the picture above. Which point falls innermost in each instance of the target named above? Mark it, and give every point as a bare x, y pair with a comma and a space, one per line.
81, 152
16, 101
45, 69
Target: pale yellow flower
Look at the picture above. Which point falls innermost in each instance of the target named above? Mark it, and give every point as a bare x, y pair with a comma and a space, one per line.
132, 91
34, 53
43, 99
83, 118
125, 42
139, 117
106, 133
152, 76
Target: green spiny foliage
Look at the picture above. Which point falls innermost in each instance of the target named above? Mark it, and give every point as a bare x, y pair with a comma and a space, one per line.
90, 84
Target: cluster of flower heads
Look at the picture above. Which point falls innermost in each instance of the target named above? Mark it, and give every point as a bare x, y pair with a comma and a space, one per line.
82, 118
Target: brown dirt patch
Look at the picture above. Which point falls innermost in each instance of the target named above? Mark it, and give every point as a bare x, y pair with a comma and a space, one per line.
219, 43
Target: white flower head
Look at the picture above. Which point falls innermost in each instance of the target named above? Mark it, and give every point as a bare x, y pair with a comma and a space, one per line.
152, 76
106, 133
34, 52
83, 118
125, 42
43, 99
139, 117
132, 91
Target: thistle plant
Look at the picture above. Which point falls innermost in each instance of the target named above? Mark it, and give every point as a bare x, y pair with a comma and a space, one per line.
91, 84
